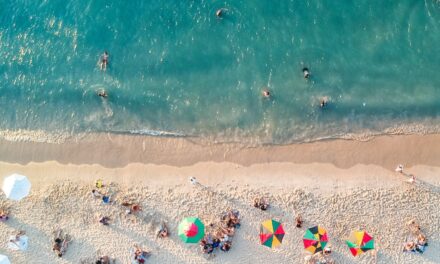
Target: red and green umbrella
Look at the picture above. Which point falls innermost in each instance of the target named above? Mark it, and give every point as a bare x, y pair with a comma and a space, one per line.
191, 230
360, 242
271, 233
315, 239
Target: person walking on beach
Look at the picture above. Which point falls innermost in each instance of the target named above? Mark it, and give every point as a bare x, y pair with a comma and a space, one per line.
193, 180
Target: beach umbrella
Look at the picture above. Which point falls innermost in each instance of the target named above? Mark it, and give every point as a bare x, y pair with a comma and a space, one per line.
191, 230
315, 239
16, 187
271, 233
4, 260
360, 242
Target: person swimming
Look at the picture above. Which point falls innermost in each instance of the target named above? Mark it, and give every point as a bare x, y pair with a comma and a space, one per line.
102, 93
104, 61
266, 93
306, 72
323, 102
219, 13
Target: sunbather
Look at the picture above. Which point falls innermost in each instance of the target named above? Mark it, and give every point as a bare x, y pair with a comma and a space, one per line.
409, 247
3, 215
298, 221
104, 220
261, 203
61, 242
140, 255
163, 231
103, 260
226, 246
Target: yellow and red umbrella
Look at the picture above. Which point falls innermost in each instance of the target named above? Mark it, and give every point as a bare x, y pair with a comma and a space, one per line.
315, 239
360, 242
271, 233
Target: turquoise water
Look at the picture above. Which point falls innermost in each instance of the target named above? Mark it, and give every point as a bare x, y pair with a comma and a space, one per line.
175, 67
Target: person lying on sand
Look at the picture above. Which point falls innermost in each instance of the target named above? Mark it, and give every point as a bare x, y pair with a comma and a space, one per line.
298, 221
104, 220
140, 255
16, 239
230, 231
422, 240
106, 199
413, 227
231, 219
132, 208
3, 215
96, 194
206, 247
103, 260
409, 247
261, 203
226, 246
61, 242
163, 231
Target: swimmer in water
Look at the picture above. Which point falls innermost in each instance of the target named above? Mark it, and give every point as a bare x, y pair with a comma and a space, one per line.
104, 61
323, 102
219, 13
266, 93
102, 93
306, 73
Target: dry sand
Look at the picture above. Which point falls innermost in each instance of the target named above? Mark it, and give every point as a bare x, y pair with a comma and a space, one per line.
340, 185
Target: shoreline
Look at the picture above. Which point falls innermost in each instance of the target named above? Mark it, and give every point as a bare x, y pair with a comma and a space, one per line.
119, 150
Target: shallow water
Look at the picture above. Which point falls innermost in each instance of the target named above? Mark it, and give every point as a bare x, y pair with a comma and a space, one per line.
175, 67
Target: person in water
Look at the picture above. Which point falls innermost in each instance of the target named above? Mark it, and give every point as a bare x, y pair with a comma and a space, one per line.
266, 93
219, 13
306, 72
102, 93
104, 61
323, 102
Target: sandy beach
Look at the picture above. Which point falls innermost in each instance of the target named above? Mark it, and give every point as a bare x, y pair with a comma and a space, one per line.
341, 185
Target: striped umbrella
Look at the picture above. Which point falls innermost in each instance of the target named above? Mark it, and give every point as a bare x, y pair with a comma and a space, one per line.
271, 233
191, 230
360, 242
315, 239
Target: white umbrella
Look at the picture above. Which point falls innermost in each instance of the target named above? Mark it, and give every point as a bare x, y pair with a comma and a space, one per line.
16, 187
4, 260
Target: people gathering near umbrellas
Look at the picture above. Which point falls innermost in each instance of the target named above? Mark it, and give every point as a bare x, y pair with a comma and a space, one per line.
217, 235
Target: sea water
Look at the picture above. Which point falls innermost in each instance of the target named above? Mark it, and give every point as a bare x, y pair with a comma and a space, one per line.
177, 69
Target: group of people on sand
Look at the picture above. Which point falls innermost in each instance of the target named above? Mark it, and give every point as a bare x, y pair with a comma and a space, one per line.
416, 241
60, 242
261, 203
129, 208
221, 234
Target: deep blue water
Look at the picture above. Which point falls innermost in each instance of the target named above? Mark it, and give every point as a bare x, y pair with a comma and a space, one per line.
175, 67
